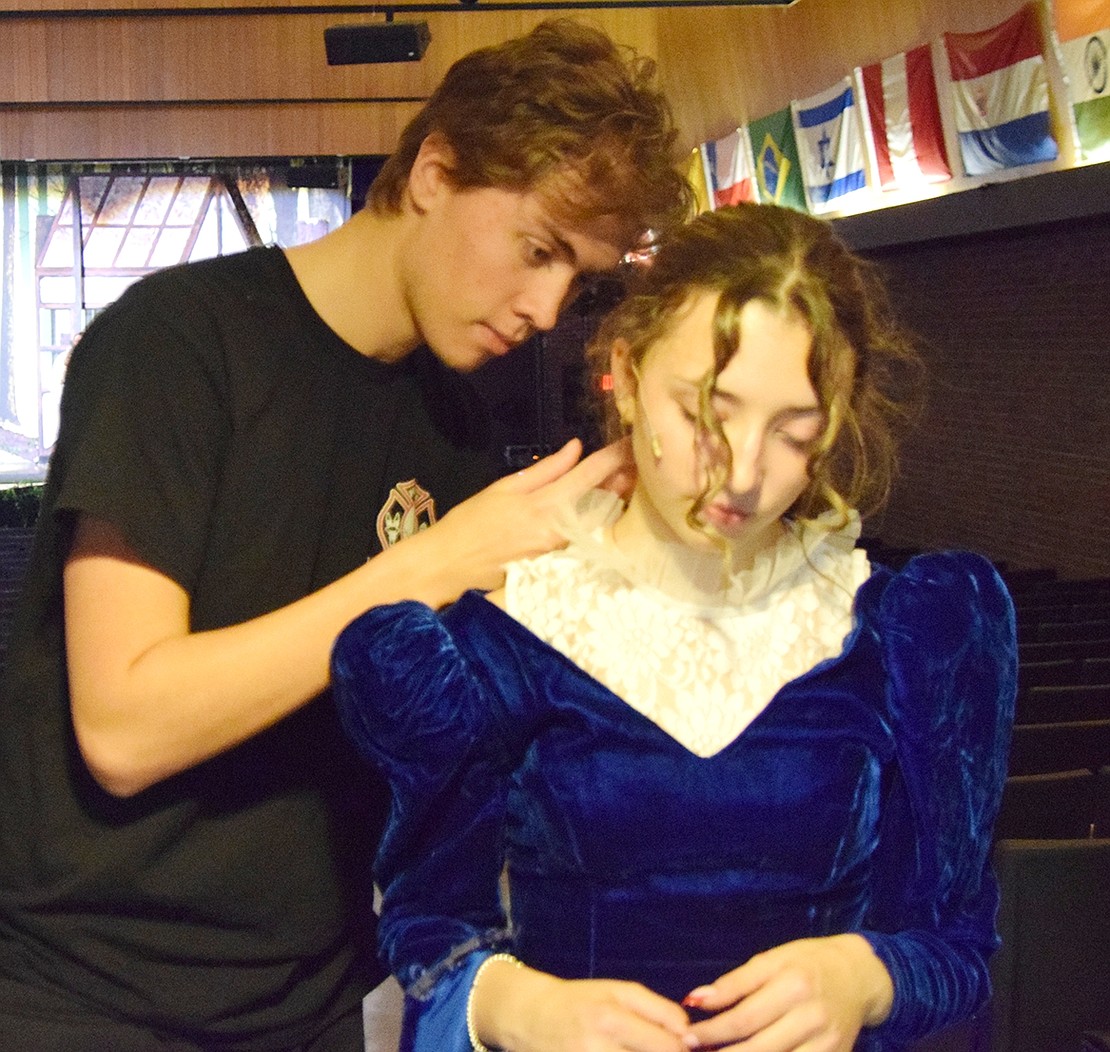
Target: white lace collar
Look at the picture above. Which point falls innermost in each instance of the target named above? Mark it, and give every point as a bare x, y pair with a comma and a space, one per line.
700, 579
700, 662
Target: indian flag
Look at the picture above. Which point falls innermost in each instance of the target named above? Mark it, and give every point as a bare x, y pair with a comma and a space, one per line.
1083, 27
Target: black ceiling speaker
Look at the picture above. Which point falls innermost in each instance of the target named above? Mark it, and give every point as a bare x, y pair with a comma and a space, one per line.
377, 42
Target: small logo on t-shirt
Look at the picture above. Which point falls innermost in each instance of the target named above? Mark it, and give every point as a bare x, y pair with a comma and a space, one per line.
408, 509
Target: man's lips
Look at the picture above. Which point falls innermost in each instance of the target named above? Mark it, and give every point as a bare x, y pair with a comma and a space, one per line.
499, 343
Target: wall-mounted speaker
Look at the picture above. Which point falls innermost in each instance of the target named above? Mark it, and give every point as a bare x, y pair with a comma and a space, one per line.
377, 42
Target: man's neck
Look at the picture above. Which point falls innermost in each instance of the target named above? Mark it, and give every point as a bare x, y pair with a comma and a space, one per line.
350, 277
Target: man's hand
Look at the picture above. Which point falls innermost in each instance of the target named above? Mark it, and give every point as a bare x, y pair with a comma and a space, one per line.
517, 516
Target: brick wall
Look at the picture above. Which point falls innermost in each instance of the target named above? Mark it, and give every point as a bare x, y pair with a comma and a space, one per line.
1013, 456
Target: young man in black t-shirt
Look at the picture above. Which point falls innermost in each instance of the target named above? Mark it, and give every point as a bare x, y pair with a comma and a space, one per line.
185, 837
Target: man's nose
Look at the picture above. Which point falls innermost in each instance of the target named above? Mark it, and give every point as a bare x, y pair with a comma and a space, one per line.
543, 298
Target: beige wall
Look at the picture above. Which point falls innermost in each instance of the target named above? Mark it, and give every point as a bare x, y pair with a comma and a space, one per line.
135, 83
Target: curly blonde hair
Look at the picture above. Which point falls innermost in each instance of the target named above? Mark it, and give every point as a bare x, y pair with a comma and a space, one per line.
863, 365
562, 111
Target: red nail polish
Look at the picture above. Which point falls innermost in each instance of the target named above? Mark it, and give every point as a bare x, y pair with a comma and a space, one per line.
693, 1001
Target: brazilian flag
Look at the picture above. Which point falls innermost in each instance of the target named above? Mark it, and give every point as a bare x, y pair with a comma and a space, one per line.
778, 172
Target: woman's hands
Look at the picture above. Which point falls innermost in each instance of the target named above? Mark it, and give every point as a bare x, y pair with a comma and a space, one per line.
521, 1009
810, 995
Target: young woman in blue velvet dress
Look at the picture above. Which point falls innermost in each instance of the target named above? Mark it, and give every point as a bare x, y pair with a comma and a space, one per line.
706, 778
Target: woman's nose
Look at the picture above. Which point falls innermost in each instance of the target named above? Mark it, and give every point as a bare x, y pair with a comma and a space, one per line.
747, 448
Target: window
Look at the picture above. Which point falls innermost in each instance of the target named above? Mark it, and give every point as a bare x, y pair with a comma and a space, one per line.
73, 237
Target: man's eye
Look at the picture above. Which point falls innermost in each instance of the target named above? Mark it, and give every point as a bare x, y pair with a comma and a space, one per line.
539, 255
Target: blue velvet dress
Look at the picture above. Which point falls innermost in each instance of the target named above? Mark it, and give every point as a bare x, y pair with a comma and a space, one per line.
861, 799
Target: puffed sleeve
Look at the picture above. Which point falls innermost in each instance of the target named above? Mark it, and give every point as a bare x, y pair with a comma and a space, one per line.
946, 627
416, 708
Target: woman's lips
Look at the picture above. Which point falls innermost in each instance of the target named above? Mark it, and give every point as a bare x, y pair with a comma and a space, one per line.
726, 519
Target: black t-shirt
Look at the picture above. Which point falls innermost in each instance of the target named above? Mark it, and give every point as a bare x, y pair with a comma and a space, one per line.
252, 456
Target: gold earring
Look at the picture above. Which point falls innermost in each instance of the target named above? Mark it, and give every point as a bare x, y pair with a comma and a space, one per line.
624, 410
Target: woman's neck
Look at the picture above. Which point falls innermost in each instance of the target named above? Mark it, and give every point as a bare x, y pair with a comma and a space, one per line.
671, 564
641, 534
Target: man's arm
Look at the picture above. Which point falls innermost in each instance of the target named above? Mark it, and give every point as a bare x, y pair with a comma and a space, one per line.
150, 698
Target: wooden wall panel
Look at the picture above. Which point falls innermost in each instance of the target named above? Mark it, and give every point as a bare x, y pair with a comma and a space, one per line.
198, 58
236, 56
58, 62
123, 132
720, 66
727, 66
403, 8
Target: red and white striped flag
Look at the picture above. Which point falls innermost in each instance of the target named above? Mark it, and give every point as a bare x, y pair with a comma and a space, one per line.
904, 115
730, 171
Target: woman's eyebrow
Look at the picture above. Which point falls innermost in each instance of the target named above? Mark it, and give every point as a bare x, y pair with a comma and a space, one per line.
790, 411
793, 411
800, 411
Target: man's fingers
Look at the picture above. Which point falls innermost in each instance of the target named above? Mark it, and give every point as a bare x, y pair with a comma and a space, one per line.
611, 466
608, 463
545, 470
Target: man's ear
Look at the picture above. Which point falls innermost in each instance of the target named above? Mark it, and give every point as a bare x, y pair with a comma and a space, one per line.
431, 172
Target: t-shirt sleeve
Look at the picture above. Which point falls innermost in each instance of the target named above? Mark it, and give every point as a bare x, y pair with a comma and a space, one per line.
414, 706
950, 655
145, 422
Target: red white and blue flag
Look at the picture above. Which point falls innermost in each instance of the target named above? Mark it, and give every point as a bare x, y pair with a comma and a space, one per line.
830, 146
729, 169
902, 109
1000, 95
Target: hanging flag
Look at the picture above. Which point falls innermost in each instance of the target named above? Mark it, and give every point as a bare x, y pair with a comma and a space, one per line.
830, 145
729, 168
902, 108
1085, 65
1080, 18
1000, 95
698, 179
778, 173
1083, 27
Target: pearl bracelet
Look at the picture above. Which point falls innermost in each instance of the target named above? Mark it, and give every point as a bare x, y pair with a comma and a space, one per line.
471, 1030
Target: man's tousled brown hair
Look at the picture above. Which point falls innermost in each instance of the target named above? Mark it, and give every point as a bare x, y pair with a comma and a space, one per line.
562, 110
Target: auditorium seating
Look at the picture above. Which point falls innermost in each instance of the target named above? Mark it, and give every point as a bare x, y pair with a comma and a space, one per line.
1063, 703
1052, 844
1052, 839
1055, 805
1051, 976
1074, 701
